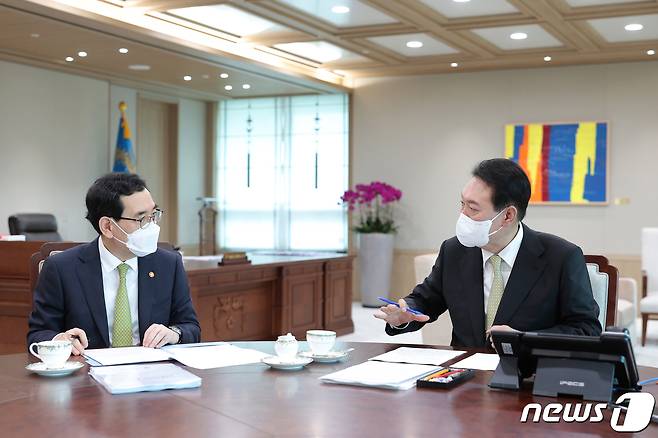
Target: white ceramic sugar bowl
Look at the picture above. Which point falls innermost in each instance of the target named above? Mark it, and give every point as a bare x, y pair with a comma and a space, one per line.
286, 347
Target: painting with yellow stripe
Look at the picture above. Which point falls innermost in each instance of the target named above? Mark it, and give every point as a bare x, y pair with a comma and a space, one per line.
565, 162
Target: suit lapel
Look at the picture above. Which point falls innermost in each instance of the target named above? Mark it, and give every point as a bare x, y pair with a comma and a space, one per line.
91, 280
472, 281
528, 266
145, 291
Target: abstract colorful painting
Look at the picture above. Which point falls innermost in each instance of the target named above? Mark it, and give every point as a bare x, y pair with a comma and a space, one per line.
566, 162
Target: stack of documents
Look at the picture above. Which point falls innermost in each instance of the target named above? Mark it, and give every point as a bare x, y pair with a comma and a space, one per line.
124, 355
124, 379
426, 356
215, 356
201, 356
377, 374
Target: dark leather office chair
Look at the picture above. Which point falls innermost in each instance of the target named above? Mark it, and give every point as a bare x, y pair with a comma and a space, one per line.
604, 279
35, 226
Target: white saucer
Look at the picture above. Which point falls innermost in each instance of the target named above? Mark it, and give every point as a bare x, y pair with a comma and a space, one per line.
68, 368
332, 356
295, 364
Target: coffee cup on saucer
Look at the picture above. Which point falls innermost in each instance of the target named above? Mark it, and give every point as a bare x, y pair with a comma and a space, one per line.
320, 341
53, 354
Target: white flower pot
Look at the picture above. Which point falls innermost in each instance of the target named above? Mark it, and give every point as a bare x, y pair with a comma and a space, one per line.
375, 264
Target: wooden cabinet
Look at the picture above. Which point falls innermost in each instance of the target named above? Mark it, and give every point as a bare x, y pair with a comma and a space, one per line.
273, 296
338, 296
15, 294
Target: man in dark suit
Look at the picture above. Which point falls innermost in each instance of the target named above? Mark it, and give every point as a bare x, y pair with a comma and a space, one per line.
120, 289
499, 274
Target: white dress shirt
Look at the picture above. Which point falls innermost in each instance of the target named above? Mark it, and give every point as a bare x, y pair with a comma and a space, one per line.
109, 264
508, 256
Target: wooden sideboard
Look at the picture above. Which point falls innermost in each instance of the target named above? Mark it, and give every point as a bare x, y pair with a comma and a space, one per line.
15, 294
273, 295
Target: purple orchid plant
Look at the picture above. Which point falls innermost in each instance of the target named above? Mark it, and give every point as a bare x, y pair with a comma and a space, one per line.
374, 203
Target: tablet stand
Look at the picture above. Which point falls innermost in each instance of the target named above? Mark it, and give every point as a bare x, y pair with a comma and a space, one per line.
506, 375
589, 379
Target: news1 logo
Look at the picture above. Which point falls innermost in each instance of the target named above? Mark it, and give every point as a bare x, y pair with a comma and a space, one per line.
637, 418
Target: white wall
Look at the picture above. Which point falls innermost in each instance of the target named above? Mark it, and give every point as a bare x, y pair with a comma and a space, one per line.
424, 134
58, 134
53, 144
191, 168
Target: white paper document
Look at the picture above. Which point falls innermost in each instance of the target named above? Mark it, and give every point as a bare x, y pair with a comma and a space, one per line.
479, 361
122, 379
125, 355
425, 356
192, 345
216, 356
385, 375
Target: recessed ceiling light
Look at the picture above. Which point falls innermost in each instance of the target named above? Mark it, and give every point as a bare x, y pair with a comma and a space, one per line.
123, 50
633, 27
228, 87
187, 78
547, 58
651, 52
519, 36
461, 1
454, 64
223, 75
35, 35
340, 9
82, 54
414, 44
69, 59
139, 67
246, 86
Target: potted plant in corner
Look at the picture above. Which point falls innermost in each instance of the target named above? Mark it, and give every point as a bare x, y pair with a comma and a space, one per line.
373, 204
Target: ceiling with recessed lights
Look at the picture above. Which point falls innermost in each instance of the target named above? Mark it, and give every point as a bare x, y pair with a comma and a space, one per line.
308, 43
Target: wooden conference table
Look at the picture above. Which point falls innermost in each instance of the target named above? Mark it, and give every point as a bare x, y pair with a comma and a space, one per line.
255, 401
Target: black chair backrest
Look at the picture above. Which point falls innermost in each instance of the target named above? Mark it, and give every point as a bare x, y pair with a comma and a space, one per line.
35, 226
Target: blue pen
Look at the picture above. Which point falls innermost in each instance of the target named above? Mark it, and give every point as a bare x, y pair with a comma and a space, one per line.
386, 300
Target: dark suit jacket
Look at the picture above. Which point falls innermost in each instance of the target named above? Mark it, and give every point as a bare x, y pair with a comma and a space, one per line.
69, 293
548, 290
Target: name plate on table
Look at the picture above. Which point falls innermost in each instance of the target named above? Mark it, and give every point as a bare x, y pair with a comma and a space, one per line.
234, 258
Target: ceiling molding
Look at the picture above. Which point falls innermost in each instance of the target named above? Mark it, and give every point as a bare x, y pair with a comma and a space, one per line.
164, 5
305, 23
553, 22
403, 11
258, 54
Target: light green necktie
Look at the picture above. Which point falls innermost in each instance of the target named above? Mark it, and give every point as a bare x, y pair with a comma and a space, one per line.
497, 289
122, 332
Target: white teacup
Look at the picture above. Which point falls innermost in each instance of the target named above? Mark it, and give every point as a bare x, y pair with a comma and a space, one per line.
320, 341
53, 353
286, 347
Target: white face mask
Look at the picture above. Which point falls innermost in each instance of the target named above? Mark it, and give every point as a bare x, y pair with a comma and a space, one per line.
143, 241
472, 233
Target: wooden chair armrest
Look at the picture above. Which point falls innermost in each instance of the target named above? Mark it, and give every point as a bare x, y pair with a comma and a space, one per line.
644, 283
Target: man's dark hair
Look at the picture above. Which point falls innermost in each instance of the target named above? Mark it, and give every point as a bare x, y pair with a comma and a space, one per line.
508, 181
103, 197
